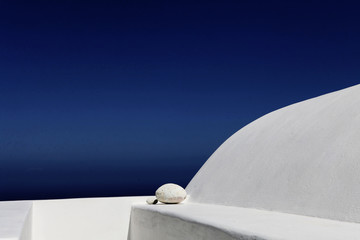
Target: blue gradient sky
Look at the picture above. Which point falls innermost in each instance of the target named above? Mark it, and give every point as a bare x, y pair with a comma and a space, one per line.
115, 98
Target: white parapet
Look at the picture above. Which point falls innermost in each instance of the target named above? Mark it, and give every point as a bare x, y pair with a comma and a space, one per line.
70, 219
215, 222
15, 220
87, 218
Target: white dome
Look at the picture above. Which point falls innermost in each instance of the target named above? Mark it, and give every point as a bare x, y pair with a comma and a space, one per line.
302, 159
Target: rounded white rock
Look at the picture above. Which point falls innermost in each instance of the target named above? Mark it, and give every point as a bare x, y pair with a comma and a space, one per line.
151, 200
170, 193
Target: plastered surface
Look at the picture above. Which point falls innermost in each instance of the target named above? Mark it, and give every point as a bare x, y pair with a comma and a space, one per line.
302, 159
86, 218
15, 220
215, 222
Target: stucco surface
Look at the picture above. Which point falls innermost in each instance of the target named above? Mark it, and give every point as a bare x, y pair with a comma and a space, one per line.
15, 217
215, 222
302, 159
86, 218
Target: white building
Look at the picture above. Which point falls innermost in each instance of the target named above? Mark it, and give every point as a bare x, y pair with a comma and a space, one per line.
291, 174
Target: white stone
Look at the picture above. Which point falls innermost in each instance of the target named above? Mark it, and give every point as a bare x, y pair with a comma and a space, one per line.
170, 193
151, 200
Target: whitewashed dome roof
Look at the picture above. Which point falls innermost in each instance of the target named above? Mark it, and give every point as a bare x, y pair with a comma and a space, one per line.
302, 159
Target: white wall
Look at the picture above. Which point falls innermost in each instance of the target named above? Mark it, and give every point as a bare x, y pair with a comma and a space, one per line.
15, 220
87, 218
302, 159
26, 233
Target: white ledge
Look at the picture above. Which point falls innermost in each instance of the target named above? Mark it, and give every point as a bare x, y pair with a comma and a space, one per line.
202, 221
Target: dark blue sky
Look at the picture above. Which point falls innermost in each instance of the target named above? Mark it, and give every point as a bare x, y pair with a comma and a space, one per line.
115, 98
